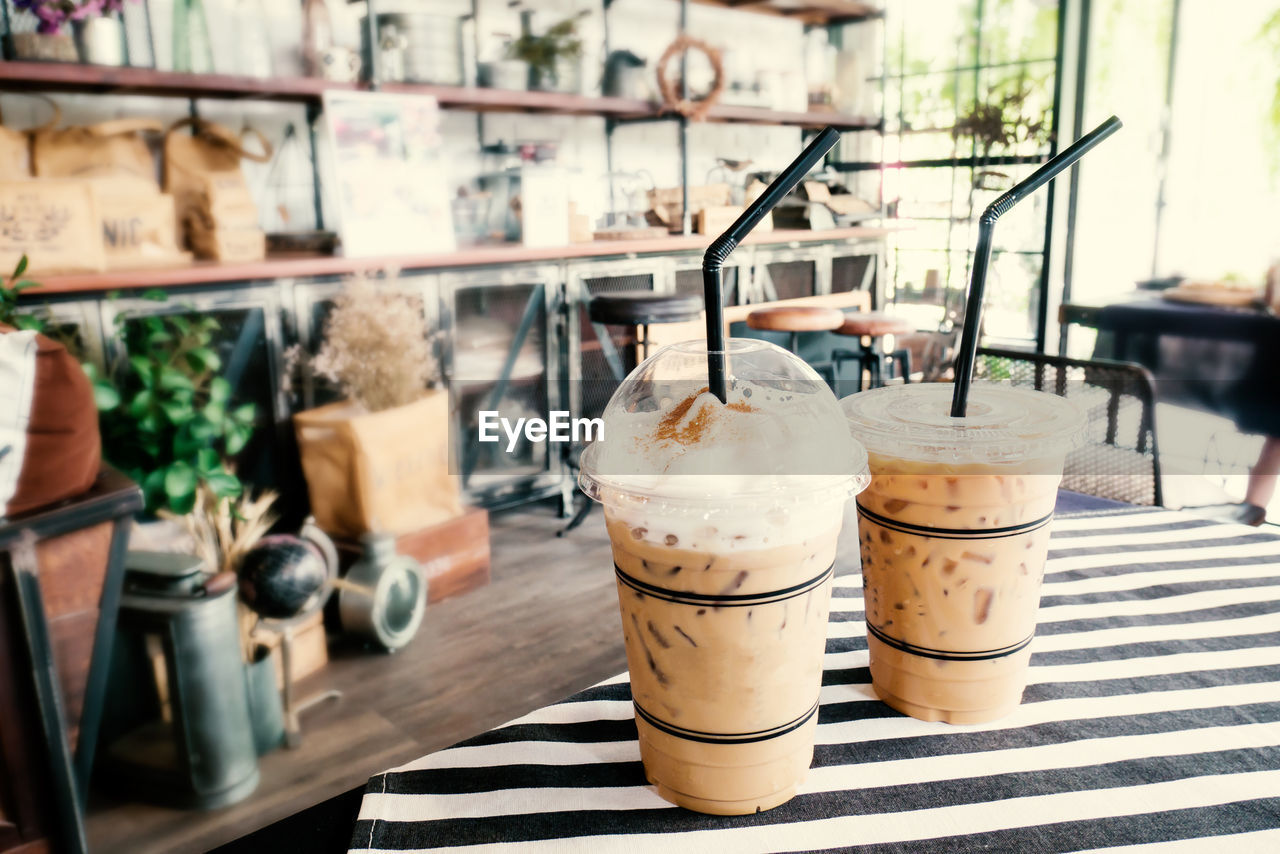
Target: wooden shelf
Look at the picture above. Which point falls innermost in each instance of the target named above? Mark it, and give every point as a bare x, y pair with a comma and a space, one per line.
809, 11
298, 266
72, 77
18, 75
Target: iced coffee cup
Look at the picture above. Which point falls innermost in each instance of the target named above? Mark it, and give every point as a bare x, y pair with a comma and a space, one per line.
953, 531
723, 518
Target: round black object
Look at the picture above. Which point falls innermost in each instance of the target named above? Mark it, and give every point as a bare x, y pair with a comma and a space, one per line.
280, 576
636, 308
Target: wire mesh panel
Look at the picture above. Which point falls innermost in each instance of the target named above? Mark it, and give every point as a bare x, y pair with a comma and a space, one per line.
791, 280
853, 273
784, 273
689, 283
497, 361
1119, 457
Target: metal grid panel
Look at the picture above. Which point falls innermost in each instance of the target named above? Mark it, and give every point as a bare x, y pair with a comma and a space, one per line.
498, 357
1119, 457
792, 273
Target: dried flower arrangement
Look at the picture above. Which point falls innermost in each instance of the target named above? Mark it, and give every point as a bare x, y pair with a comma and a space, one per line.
378, 347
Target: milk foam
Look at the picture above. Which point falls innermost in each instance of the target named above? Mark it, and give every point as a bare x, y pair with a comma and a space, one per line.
767, 468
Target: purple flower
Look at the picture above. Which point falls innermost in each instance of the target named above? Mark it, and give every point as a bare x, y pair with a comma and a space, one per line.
52, 15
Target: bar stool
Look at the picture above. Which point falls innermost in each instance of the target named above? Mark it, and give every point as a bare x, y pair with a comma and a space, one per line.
869, 327
639, 309
796, 319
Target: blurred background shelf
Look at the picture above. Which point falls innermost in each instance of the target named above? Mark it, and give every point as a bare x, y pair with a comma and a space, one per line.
299, 266
19, 76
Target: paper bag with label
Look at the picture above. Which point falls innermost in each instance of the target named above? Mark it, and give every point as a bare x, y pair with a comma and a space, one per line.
55, 223
138, 229
385, 472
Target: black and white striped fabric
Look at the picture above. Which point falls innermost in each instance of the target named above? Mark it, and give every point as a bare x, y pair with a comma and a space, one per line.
1152, 720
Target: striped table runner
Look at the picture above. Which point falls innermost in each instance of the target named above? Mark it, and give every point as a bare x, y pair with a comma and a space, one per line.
1153, 716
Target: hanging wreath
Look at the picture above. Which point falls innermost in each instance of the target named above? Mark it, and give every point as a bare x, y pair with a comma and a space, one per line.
695, 109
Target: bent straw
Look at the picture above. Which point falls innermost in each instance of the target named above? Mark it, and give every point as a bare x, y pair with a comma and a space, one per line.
963, 367
722, 246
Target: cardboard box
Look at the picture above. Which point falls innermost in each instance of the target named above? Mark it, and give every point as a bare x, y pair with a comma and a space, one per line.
714, 219
454, 555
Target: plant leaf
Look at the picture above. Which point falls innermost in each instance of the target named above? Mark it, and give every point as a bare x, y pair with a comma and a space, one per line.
105, 396
173, 379
207, 461
203, 359
142, 367
184, 504
237, 438
22, 266
180, 480
219, 390
244, 413
155, 295
23, 285
202, 430
140, 405
177, 411
224, 484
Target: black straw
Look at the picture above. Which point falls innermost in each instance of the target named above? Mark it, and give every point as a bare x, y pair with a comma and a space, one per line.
968, 351
722, 246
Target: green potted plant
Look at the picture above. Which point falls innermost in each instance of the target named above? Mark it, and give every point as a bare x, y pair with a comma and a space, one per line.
554, 57
173, 425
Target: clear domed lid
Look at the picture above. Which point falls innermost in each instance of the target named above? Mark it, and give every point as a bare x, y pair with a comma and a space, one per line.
1002, 425
780, 433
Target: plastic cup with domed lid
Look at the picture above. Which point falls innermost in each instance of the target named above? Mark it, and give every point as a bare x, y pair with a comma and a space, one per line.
723, 518
953, 532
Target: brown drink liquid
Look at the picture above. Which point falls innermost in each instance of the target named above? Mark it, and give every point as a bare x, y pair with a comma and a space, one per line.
953, 554
723, 518
725, 654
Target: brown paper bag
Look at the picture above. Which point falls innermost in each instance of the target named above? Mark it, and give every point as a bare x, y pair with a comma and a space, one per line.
15, 154
230, 245
139, 230
55, 223
201, 170
386, 472
114, 150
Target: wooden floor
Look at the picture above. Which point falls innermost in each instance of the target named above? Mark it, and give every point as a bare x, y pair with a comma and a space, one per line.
545, 627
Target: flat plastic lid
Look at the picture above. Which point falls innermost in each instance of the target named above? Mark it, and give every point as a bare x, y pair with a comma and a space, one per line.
1002, 425
781, 433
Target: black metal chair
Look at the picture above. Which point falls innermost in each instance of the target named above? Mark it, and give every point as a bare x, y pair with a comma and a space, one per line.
1120, 457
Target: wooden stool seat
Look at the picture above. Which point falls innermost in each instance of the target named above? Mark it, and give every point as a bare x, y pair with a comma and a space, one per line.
796, 318
874, 323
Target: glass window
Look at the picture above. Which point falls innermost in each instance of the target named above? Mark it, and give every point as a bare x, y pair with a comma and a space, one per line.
968, 99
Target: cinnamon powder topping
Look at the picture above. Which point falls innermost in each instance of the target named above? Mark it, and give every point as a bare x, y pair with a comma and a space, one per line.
672, 428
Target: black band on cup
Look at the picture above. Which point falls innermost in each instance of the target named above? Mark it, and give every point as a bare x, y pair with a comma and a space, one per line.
725, 600
725, 737
954, 533
947, 655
